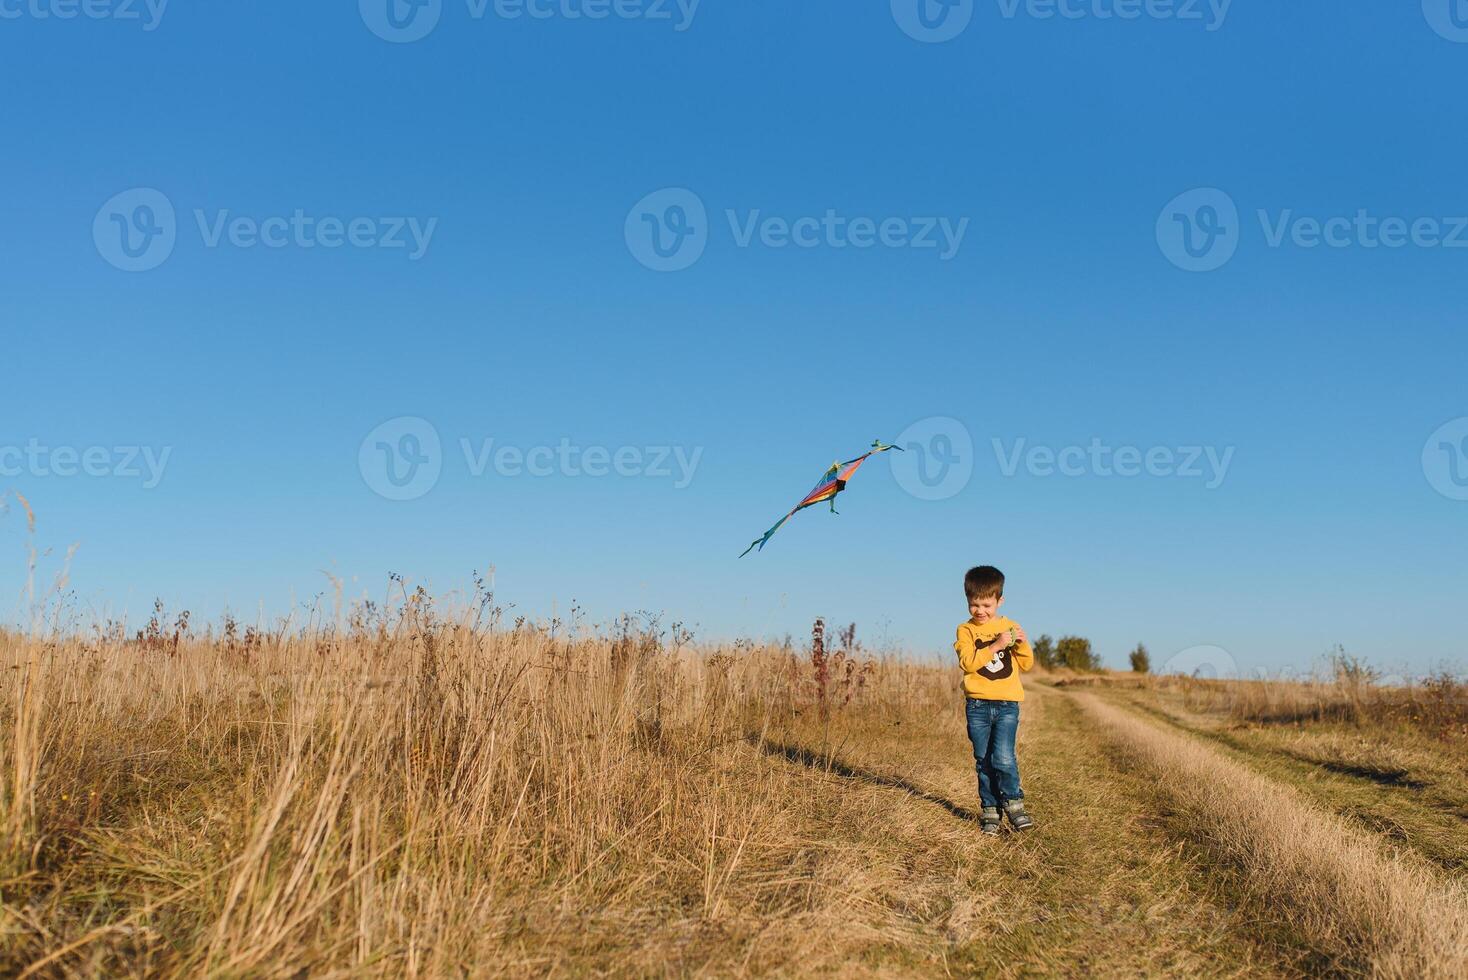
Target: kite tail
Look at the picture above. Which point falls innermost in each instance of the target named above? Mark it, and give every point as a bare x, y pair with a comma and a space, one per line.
759, 542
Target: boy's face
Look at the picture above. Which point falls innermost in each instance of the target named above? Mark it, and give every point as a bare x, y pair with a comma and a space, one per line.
985, 609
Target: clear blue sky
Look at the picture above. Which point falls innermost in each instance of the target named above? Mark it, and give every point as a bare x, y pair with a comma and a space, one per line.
529, 319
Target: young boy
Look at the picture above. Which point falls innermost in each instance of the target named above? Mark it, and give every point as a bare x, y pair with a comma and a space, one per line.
993, 650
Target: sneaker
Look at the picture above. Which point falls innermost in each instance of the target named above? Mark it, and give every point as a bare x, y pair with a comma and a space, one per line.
1018, 818
989, 821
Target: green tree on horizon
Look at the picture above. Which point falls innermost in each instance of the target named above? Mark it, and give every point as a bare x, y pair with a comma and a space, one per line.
1076, 653
1141, 662
1044, 648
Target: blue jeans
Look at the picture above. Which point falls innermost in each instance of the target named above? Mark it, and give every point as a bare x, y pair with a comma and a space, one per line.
992, 726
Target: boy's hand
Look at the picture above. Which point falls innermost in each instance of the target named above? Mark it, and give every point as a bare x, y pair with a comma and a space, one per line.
1003, 640
1019, 634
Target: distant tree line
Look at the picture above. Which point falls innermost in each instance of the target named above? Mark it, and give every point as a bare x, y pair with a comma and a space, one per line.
1074, 652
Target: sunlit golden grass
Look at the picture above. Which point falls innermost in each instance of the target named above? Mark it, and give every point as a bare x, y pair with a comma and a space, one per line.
424, 798
1402, 781
1383, 913
1437, 704
431, 796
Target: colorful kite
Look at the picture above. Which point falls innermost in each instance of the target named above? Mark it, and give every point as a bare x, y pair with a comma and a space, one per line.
832, 482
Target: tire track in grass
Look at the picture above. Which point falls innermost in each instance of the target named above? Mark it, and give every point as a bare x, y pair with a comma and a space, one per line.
1095, 890
1108, 894
1409, 813
1373, 913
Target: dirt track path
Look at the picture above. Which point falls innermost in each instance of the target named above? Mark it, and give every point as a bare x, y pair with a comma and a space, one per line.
1105, 886
1409, 797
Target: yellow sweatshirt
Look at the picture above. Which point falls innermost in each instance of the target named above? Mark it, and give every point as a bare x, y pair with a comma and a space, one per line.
989, 674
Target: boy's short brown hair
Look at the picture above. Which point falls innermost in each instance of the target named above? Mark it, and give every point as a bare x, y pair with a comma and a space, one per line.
984, 582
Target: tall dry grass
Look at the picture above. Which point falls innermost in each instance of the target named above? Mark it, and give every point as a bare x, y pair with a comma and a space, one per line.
424, 796
1376, 912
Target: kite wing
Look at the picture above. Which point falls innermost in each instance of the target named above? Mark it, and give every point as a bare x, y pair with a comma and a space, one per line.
832, 482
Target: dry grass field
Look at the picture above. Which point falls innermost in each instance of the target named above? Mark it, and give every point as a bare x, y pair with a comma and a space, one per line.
434, 795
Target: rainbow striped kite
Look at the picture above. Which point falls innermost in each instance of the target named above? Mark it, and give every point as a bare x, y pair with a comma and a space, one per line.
832, 482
